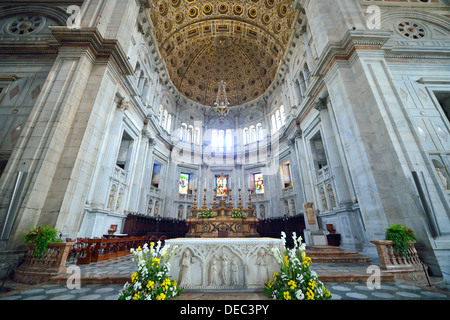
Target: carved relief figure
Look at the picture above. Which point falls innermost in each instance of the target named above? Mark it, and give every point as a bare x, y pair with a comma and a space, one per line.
331, 196
185, 267
261, 265
324, 200
214, 274
150, 207
443, 179
225, 273
309, 212
112, 195
234, 273
119, 200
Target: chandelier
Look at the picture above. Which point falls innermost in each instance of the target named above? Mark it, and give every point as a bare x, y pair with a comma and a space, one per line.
222, 101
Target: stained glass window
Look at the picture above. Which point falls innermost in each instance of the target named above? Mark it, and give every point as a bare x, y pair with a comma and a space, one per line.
221, 186
184, 183
259, 183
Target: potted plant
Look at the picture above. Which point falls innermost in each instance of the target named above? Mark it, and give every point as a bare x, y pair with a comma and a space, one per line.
40, 238
402, 237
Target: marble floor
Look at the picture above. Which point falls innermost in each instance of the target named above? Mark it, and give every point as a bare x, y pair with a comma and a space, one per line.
339, 291
104, 280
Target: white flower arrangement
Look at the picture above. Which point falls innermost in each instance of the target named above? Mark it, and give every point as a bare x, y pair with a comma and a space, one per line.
151, 281
295, 281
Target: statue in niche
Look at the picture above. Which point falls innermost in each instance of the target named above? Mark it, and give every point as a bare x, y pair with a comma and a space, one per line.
294, 210
225, 277
234, 273
180, 212
441, 176
331, 195
310, 212
185, 267
324, 200
262, 270
150, 207
214, 274
155, 214
119, 199
112, 195
286, 208
262, 212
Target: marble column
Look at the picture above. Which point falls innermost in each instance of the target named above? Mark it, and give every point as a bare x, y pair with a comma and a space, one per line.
342, 191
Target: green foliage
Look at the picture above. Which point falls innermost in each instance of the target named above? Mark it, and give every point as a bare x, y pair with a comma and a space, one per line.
402, 237
40, 237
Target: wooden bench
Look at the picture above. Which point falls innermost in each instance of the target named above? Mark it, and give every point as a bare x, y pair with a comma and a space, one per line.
104, 249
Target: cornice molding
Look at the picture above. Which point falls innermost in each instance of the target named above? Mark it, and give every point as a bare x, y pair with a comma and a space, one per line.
100, 47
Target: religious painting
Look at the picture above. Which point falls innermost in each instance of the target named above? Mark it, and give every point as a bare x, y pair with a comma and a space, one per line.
259, 183
221, 186
184, 183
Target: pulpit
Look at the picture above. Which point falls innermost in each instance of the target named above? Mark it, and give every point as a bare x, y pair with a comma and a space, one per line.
221, 220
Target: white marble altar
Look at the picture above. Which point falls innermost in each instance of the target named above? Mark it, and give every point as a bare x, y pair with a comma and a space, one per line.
211, 264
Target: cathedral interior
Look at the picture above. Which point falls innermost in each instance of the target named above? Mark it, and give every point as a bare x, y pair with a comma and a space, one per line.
127, 114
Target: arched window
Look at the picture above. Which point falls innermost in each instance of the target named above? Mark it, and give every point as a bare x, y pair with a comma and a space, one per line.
229, 139
274, 124
169, 123
298, 90
190, 133
245, 136
307, 75
197, 135
164, 120
214, 139
221, 139
252, 134
302, 83
259, 132
282, 115
183, 131
160, 114
278, 118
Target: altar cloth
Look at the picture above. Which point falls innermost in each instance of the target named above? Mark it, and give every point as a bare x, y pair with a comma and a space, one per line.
224, 264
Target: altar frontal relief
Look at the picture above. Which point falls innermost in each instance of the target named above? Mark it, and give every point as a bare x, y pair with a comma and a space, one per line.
224, 264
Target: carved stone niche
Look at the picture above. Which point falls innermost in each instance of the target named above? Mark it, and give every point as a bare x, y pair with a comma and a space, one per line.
224, 264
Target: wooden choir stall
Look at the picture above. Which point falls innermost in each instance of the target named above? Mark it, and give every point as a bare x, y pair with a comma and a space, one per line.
222, 220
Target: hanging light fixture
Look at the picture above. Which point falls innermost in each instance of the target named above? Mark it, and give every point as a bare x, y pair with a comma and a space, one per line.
222, 101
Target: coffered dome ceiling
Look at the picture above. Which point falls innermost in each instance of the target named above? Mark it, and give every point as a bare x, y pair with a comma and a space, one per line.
239, 42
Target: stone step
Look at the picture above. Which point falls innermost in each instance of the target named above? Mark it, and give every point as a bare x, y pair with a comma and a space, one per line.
330, 254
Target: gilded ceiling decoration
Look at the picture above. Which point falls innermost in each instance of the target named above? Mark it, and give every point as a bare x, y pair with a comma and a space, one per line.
239, 42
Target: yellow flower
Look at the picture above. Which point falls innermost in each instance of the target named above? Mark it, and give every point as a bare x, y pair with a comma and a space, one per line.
270, 284
139, 248
155, 260
174, 283
134, 277
287, 295
275, 276
286, 260
292, 284
150, 285
137, 296
312, 284
152, 244
162, 296
309, 294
